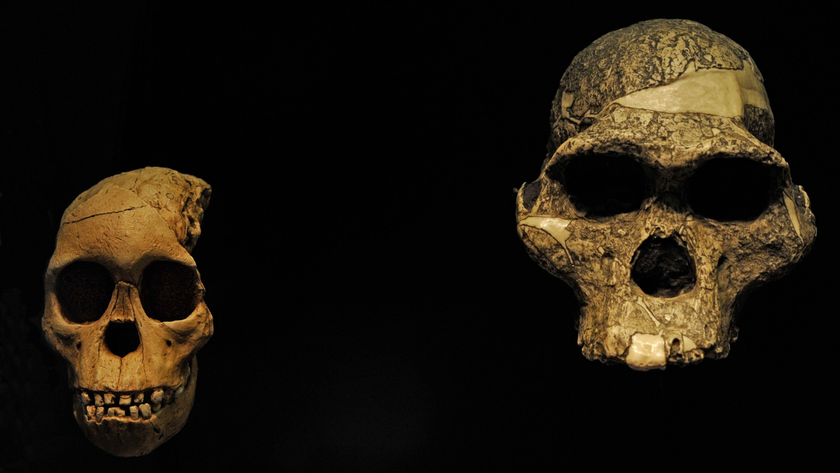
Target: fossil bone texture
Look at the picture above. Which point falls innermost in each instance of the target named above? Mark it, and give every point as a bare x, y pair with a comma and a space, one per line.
125, 306
662, 201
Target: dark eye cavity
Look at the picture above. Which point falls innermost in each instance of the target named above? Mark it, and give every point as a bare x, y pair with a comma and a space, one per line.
604, 185
732, 189
84, 290
169, 290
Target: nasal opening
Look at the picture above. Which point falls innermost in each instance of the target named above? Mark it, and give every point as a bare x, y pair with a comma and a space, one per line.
122, 338
662, 267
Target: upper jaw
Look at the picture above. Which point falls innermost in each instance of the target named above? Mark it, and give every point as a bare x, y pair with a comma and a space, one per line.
139, 405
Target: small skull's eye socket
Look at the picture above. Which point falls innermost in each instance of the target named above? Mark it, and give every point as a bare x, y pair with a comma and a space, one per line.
732, 189
169, 290
604, 185
84, 290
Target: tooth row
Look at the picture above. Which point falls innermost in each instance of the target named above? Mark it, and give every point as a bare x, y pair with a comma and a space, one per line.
101, 405
135, 412
118, 404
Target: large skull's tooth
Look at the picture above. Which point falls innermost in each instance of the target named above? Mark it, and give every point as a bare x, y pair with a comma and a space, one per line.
116, 411
97, 399
134, 412
100, 413
145, 410
155, 407
646, 352
179, 390
91, 411
167, 396
109, 398
85, 398
157, 396
125, 399
138, 398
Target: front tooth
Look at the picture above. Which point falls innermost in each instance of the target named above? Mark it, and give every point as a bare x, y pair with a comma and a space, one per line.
134, 412
91, 410
145, 410
125, 399
157, 396
109, 398
116, 411
85, 398
100, 413
97, 399
138, 398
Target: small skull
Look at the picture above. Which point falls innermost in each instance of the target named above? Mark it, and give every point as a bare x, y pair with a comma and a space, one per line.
662, 202
125, 306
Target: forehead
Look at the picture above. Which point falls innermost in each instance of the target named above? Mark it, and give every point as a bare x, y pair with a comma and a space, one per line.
665, 139
118, 230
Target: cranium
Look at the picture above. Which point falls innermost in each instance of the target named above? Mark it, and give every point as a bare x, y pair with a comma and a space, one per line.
124, 306
662, 202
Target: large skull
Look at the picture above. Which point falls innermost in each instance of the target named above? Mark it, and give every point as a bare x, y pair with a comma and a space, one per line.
124, 306
662, 201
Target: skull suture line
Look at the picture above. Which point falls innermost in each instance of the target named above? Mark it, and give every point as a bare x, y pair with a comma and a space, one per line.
125, 306
662, 202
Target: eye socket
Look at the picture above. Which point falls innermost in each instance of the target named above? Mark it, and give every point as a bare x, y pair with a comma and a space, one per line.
732, 189
169, 290
604, 185
84, 290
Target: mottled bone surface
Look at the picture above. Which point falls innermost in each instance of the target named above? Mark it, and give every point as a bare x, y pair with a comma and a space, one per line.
124, 306
660, 280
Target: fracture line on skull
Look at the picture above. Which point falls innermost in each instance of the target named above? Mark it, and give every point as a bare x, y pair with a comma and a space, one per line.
100, 214
556, 227
641, 303
794, 218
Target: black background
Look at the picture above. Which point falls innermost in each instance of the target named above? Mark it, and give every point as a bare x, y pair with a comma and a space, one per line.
374, 307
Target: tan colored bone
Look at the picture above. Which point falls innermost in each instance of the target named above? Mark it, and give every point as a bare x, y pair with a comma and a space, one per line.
123, 223
671, 95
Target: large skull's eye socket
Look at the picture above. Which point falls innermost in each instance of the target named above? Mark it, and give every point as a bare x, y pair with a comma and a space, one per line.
732, 189
84, 290
604, 185
169, 290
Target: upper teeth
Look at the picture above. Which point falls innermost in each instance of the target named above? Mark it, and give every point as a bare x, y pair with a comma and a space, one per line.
98, 405
131, 404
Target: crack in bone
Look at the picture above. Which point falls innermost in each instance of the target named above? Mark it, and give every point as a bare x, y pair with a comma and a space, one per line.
794, 218
641, 303
101, 214
556, 227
